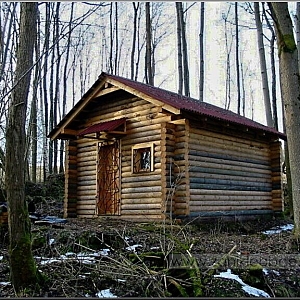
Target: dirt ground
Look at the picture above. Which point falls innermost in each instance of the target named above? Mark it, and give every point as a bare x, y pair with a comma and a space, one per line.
106, 257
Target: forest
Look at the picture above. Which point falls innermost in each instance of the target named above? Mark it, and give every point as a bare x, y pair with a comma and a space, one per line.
216, 61
242, 56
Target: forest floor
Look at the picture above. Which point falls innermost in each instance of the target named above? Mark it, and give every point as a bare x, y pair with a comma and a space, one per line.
111, 258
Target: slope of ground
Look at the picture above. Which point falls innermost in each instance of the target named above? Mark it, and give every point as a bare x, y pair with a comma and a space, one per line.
107, 257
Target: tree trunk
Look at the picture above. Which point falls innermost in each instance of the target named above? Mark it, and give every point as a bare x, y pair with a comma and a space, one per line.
186, 73
237, 59
263, 66
290, 92
45, 92
179, 50
132, 61
201, 41
148, 60
22, 265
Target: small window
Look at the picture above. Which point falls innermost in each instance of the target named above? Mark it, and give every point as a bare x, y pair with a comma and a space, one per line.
142, 158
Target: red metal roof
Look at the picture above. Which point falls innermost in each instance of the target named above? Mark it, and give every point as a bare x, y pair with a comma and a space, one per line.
103, 126
193, 105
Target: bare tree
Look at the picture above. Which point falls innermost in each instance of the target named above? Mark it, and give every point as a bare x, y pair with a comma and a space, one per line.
181, 34
179, 50
290, 91
149, 75
201, 43
136, 6
237, 58
22, 265
263, 65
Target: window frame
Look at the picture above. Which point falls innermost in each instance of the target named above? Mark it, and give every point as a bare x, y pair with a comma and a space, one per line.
141, 146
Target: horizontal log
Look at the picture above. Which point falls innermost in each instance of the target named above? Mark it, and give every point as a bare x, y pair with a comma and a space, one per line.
197, 141
237, 198
230, 175
141, 195
150, 128
127, 149
84, 155
90, 162
86, 208
91, 197
83, 190
86, 180
229, 138
231, 161
137, 207
86, 149
86, 174
141, 190
126, 171
144, 139
209, 168
138, 201
83, 202
141, 184
137, 122
141, 212
229, 182
227, 192
131, 105
84, 142
88, 167
228, 208
141, 110
138, 178
230, 187
229, 153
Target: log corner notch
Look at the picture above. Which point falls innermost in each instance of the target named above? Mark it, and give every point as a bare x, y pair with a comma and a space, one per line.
276, 163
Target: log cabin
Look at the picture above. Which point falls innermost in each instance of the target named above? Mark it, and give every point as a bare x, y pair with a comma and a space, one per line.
138, 152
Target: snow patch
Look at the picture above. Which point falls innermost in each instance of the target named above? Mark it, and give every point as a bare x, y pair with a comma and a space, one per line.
105, 294
247, 288
287, 227
133, 247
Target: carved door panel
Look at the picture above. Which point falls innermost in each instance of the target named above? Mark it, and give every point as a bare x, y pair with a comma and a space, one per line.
108, 177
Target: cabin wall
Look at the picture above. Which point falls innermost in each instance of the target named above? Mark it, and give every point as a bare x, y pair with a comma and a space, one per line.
142, 193
228, 173
86, 178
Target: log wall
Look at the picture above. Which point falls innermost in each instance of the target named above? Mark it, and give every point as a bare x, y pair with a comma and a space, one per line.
141, 194
86, 178
229, 173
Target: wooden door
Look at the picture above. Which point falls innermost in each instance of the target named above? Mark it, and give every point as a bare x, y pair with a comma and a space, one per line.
108, 177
